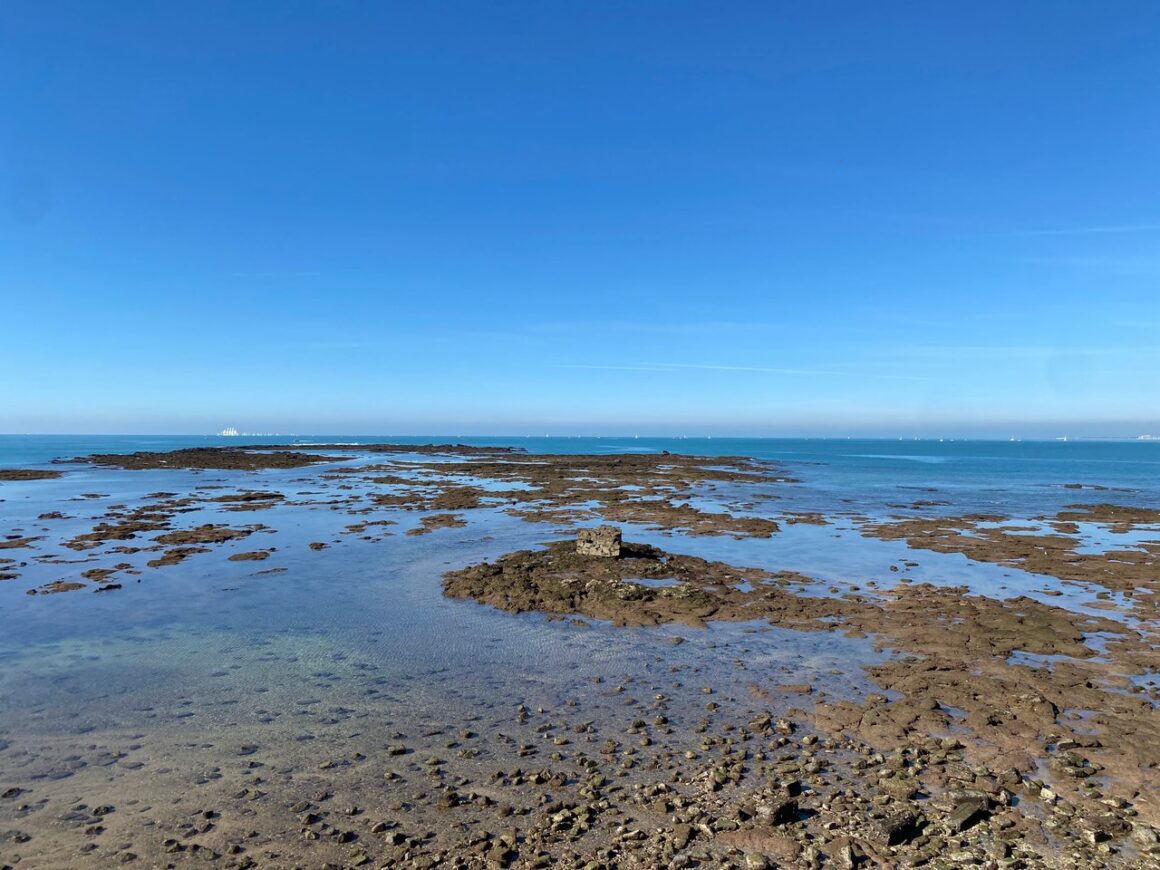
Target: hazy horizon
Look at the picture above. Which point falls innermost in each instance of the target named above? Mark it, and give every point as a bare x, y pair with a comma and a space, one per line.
982, 432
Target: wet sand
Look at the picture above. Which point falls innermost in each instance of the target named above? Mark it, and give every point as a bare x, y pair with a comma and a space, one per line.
749, 715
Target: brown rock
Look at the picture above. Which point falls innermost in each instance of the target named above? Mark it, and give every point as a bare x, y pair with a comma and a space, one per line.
603, 541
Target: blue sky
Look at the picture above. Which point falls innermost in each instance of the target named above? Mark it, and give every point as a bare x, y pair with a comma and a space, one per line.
749, 218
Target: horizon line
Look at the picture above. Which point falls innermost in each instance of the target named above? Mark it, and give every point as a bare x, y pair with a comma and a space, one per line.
1143, 437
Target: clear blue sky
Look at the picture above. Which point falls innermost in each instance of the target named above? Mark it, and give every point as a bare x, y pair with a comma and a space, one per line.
771, 218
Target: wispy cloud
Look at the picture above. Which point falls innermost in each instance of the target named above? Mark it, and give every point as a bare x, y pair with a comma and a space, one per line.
1127, 266
675, 368
1097, 230
961, 353
690, 327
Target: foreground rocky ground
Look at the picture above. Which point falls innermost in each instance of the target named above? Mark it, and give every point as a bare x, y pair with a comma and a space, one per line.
1003, 733
1007, 719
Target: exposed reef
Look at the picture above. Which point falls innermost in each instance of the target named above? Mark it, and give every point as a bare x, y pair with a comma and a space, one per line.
18, 474
215, 458
1033, 548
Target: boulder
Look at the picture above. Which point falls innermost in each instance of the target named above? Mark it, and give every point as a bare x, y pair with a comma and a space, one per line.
601, 541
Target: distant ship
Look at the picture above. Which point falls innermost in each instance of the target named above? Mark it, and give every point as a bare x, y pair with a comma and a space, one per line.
229, 431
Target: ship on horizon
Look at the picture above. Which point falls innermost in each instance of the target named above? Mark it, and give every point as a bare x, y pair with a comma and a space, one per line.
229, 432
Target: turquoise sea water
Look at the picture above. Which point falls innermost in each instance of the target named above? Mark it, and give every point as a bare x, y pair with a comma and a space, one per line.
871, 478
1022, 475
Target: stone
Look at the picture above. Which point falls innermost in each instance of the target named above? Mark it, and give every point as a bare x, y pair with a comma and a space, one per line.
1146, 837
896, 829
778, 810
846, 858
603, 541
965, 814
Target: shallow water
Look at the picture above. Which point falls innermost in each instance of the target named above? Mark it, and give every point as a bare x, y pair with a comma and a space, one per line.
395, 582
